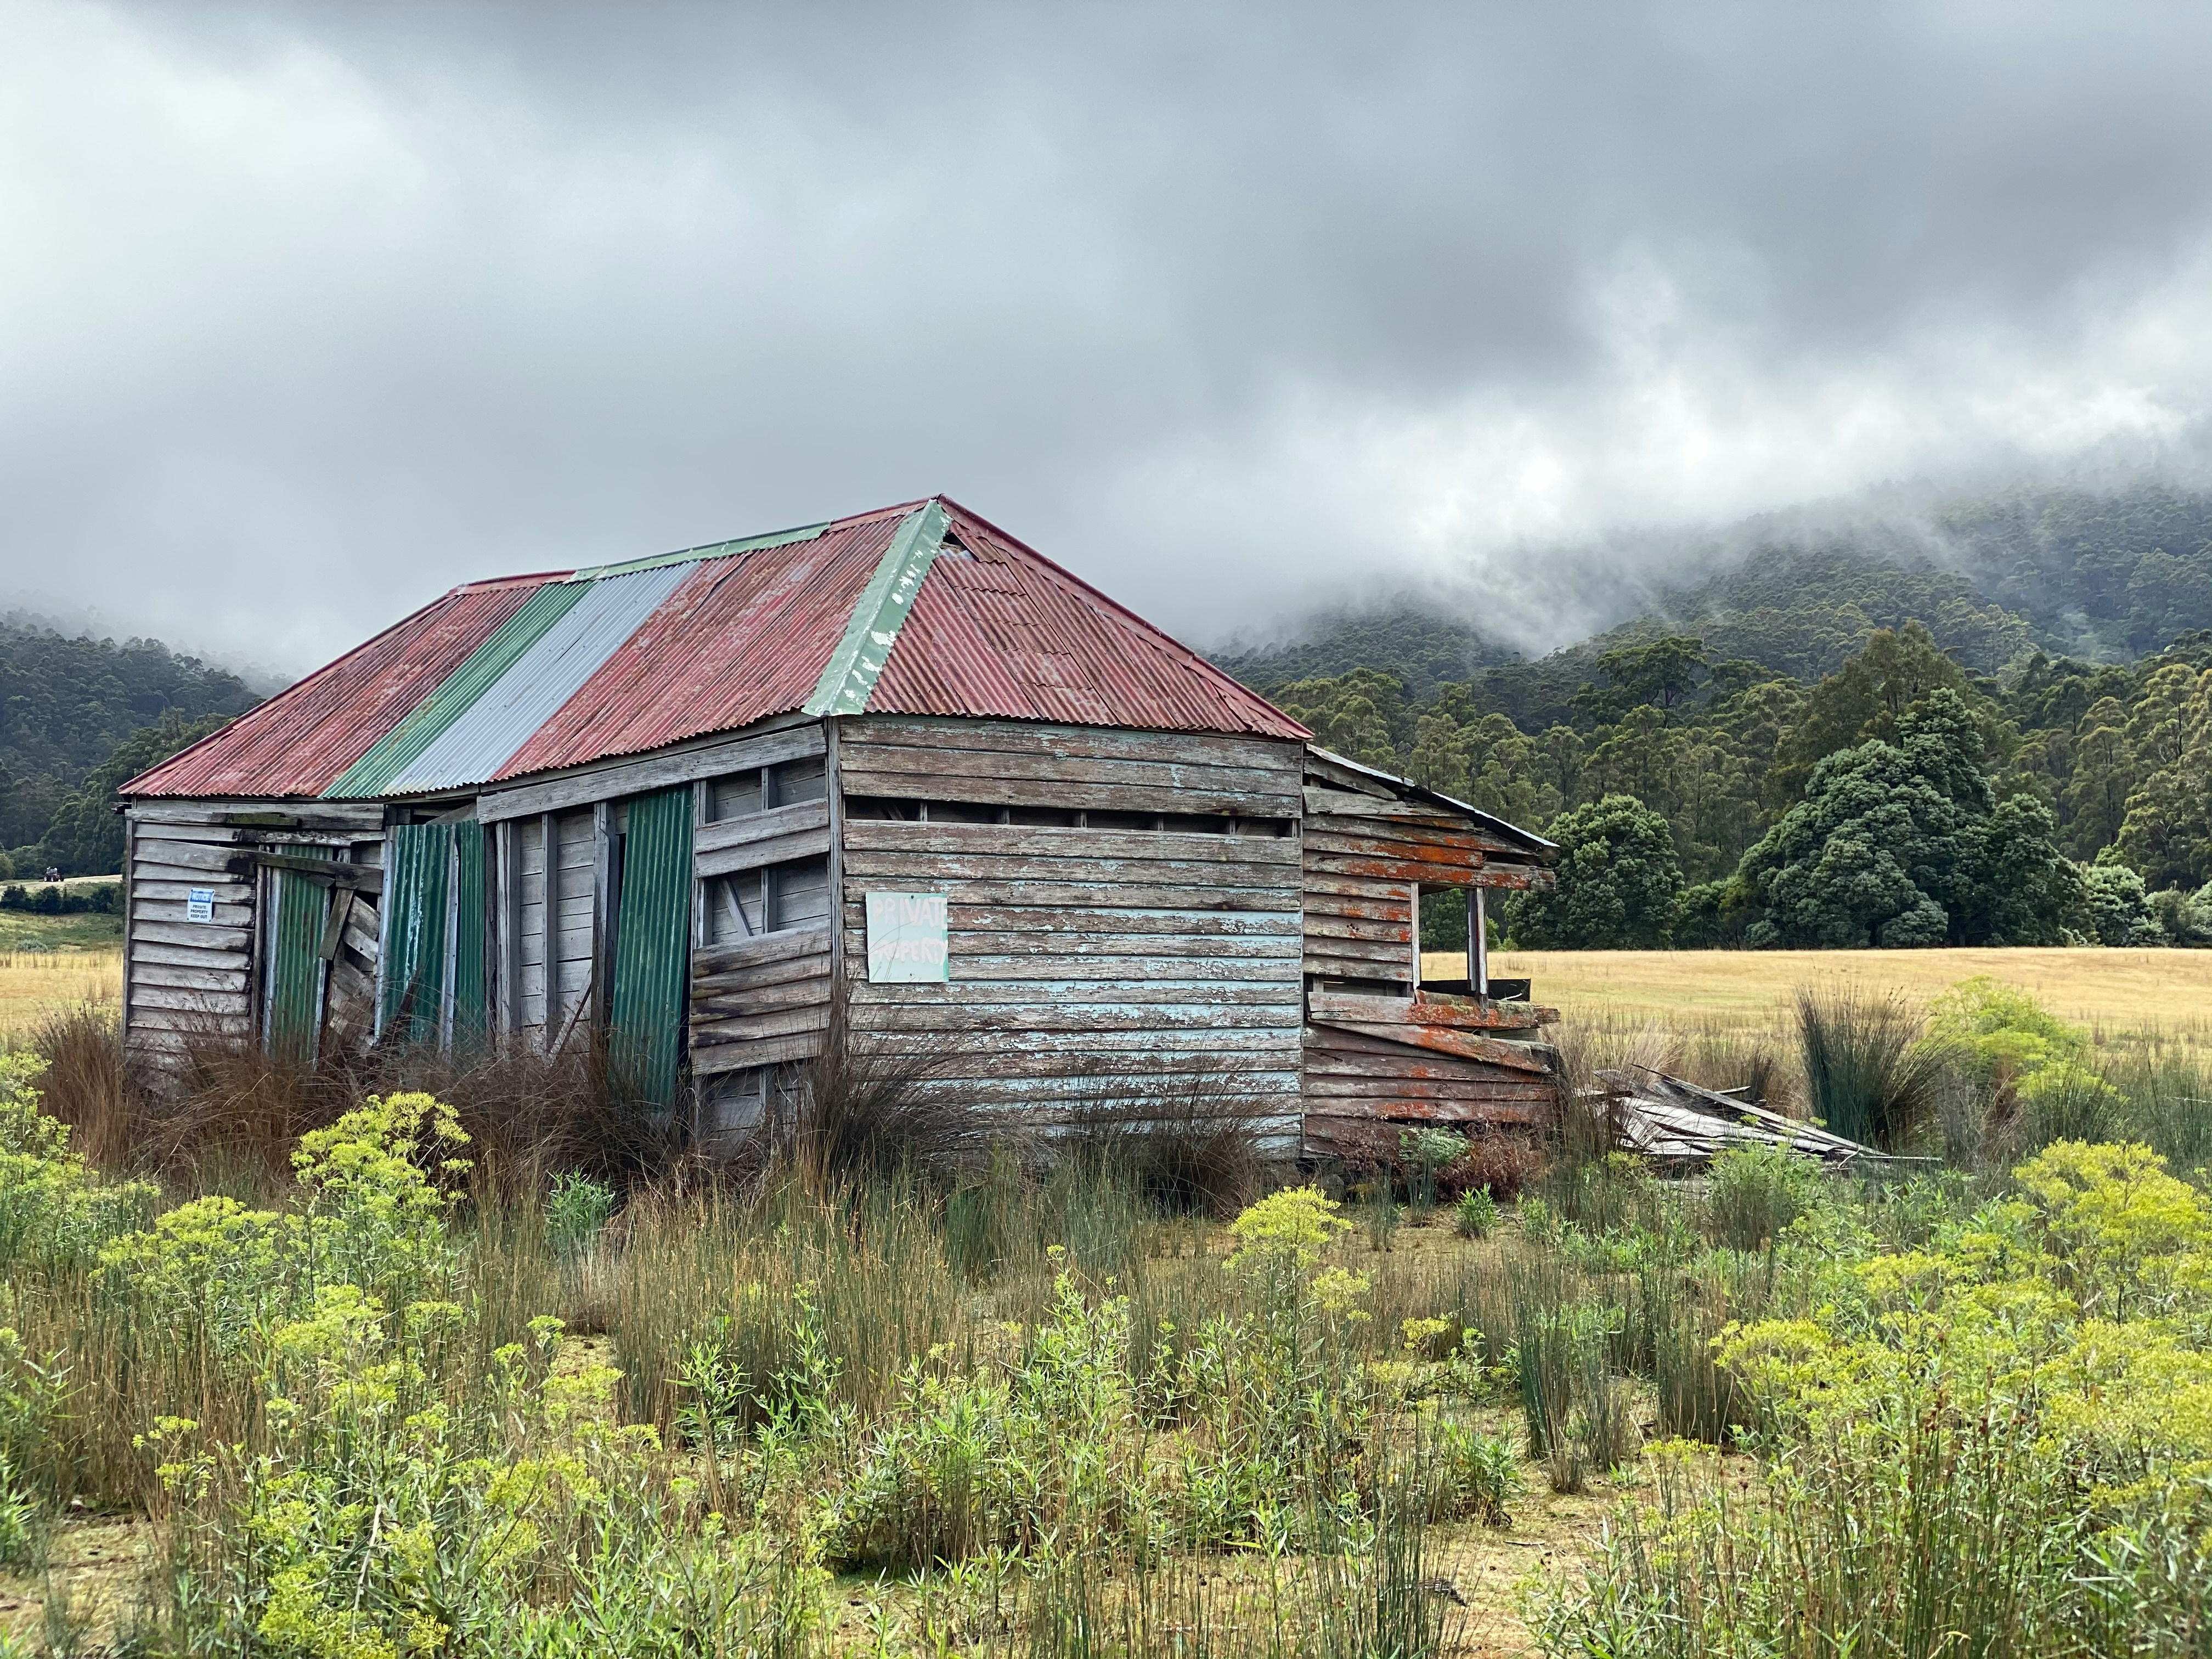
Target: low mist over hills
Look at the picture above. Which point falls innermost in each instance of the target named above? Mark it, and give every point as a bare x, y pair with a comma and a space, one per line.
2101, 577
1988, 725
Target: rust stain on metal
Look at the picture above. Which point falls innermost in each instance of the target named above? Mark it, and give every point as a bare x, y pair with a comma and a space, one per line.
746, 636
300, 741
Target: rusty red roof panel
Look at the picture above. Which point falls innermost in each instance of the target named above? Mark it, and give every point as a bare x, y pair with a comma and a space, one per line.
302, 739
993, 630
998, 629
744, 637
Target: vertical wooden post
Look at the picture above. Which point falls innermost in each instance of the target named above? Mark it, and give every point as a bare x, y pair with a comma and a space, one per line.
603, 918
833, 789
702, 800
1414, 911
1477, 943
548, 859
507, 913
703, 807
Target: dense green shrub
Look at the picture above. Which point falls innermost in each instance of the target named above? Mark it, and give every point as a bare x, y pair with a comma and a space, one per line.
1755, 1193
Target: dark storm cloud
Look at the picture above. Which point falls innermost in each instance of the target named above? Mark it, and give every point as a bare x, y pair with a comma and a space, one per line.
305, 314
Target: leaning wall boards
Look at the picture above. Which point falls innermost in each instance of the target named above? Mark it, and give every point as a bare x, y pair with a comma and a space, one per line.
907, 939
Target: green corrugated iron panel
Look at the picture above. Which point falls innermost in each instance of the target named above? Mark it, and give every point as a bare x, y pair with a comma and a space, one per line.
858, 662
466, 1024
371, 774
652, 945
805, 532
295, 962
417, 882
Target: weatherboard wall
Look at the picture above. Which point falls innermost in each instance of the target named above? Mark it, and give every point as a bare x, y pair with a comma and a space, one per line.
187, 978
1101, 963
1380, 1054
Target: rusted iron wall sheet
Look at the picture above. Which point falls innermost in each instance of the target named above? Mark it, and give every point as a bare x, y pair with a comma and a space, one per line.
417, 908
513, 709
302, 738
743, 638
653, 945
1089, 966
293, 967
1001, 630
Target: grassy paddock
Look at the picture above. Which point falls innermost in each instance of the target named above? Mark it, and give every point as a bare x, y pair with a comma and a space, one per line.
437, 1396
36, 983
2126, 999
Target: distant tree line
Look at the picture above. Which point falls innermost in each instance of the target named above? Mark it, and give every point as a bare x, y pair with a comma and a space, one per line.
1899, 801
1994, 727
79, 716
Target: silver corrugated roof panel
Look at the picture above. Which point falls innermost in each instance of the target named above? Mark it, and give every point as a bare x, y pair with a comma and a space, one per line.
512, 710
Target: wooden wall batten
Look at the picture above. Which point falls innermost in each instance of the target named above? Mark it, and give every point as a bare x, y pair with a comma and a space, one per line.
785, 738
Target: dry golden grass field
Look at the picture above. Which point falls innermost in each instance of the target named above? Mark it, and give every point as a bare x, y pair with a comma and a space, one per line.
36, 983
2126, 999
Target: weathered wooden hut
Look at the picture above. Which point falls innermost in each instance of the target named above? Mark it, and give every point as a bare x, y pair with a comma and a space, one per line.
897, 773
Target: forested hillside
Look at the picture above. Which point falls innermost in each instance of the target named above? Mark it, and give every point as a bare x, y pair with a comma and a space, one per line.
1844, 742
67, 704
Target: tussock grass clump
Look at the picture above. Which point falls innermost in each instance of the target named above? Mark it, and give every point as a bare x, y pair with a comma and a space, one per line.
1867, 1076
1188, 1141
226, 1110
1573, 1403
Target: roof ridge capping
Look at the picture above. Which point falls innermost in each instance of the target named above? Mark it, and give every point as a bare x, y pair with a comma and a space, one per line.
804, 532
849, 676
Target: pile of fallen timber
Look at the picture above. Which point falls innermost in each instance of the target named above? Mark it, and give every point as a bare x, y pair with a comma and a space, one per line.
1677, 1123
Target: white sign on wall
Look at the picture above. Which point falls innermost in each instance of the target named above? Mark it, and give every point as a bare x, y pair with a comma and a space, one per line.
906, 940
200, 904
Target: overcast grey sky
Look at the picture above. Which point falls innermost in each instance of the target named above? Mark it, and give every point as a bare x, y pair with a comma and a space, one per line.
308, 312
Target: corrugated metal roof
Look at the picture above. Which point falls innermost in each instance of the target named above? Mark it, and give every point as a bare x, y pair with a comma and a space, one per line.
744, 638
540, 682
838, 618
373, 775
302, 739
1003, 631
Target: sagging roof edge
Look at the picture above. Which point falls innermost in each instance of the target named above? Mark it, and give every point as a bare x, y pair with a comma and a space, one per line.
779, 721
1437, 797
